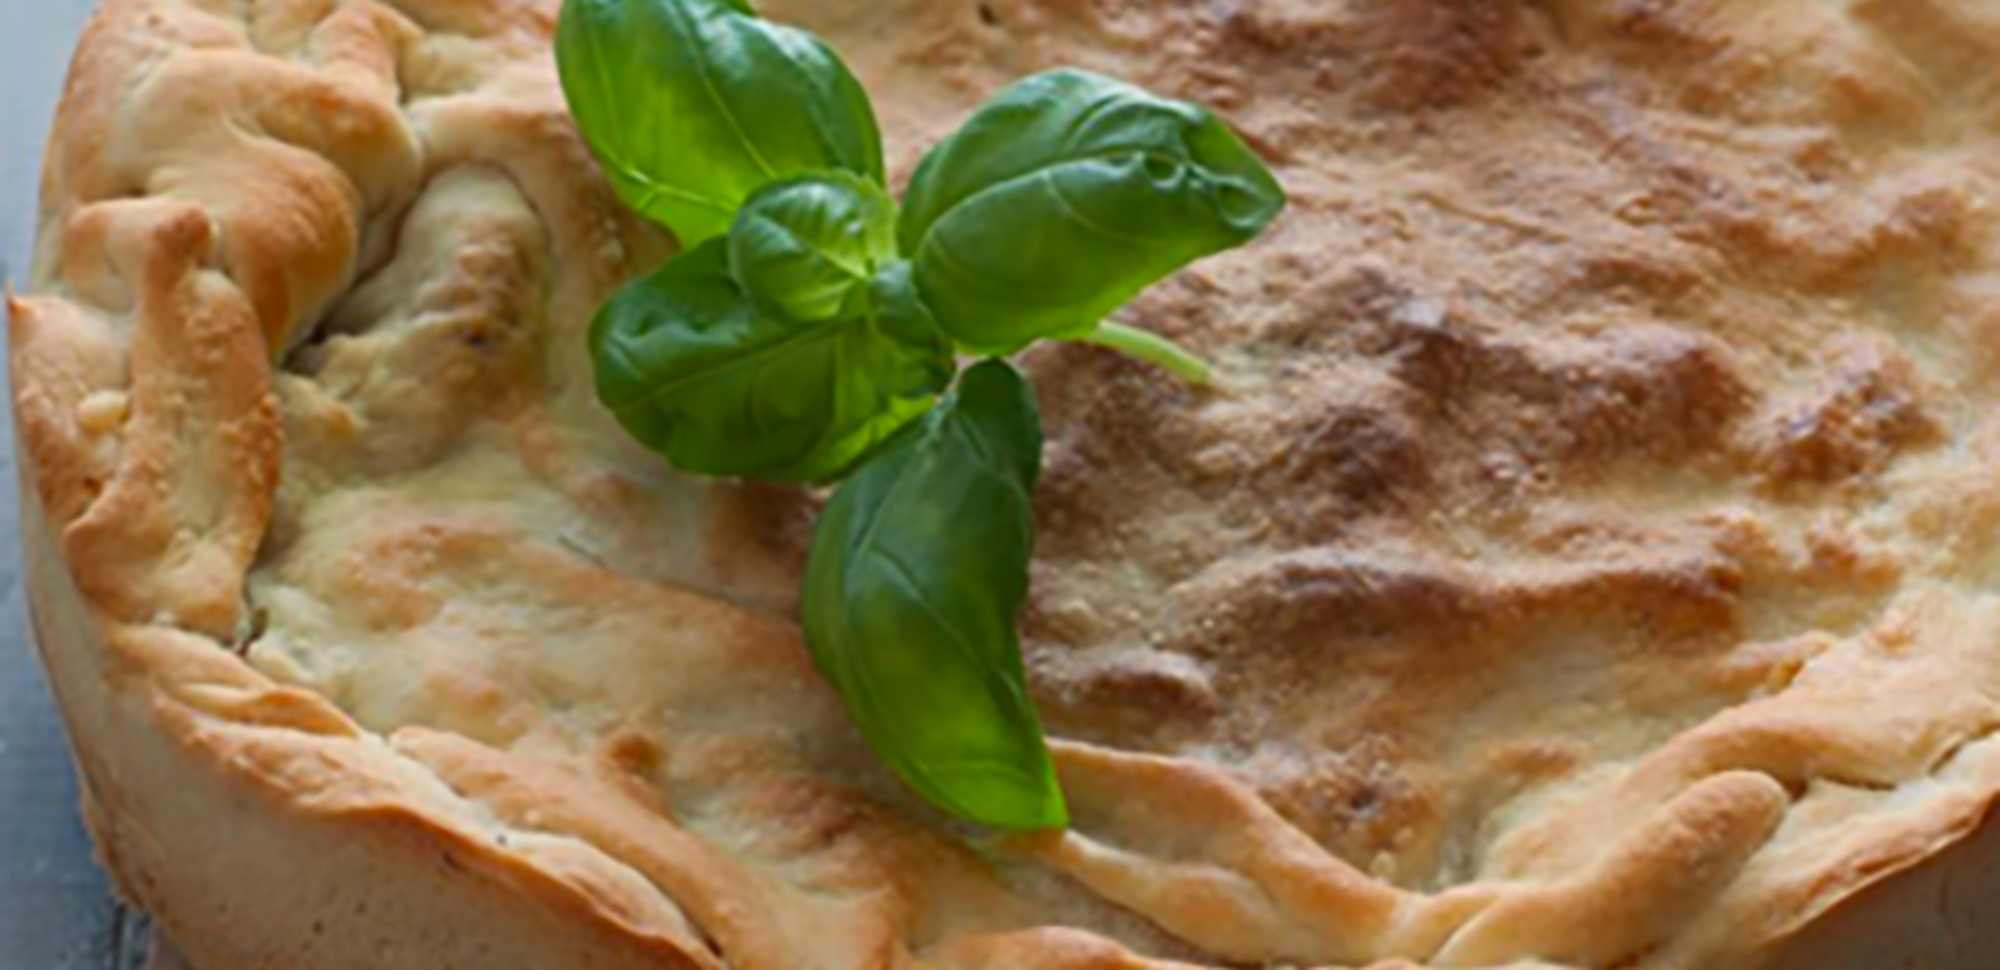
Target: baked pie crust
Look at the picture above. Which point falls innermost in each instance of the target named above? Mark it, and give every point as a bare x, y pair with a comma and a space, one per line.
1588, 556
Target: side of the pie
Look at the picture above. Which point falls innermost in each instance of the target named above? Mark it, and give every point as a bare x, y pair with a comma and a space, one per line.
1587, 554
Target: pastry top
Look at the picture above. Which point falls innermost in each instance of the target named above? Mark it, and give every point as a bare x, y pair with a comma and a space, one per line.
1587, 554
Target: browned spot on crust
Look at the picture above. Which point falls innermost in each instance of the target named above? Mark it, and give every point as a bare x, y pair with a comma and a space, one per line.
1868, 409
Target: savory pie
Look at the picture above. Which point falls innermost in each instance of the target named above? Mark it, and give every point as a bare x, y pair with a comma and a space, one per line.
1589, 554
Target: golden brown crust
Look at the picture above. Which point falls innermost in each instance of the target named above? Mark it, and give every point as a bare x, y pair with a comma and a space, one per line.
1587, 554
176, 525
206, 787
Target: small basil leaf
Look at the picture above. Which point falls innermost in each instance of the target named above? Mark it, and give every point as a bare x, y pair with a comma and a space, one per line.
1063, 197
918, 570
691, 105
697, 372
802, 245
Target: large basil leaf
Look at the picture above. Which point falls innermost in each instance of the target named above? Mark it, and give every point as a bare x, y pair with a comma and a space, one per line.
691, 105
918, 570
801, 246
1063, 197
697, 372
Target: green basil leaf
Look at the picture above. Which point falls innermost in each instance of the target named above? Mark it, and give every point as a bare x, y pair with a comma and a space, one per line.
801, 246
1063, 197
918, 571
691, 105
699, 373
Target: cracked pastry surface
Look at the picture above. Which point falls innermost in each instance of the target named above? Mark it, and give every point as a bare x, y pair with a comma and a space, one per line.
1587, 556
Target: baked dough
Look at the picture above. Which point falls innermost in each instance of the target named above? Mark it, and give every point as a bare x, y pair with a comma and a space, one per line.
1587, 556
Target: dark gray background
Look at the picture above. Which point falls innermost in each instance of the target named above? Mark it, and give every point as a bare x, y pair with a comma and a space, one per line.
56, 911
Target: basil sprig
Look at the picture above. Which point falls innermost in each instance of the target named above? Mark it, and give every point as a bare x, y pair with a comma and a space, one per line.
806, 243
809, 330
918, 568
723, 383
1066, 195
694, 104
